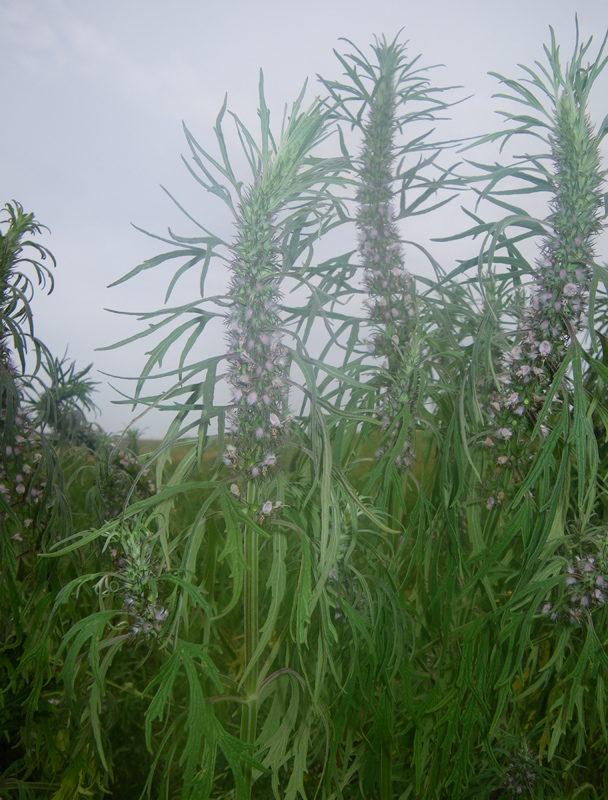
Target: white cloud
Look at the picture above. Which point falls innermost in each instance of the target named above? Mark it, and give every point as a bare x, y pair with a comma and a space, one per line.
50, 39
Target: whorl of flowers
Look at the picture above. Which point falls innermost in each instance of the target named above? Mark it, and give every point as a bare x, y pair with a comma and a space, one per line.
22, 482
563, 275
391, 291
257, 370
118, 476
521, 773
556, 308
139, 574
256, 352
584, 589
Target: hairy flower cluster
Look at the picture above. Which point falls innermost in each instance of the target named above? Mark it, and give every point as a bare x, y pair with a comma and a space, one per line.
262, 511
139, 575
521, 773
557, 305
257, 357
21, 483
509, 414
563, 274
118, 477
585, 586
391, 292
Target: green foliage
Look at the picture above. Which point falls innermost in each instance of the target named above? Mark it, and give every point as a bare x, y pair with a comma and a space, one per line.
397, 590
63, 402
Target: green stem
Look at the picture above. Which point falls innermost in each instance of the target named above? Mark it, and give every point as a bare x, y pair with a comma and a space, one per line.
250, 607
386, 746
386, 769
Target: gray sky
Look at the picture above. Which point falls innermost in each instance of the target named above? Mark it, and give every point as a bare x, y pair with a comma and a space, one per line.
94, 93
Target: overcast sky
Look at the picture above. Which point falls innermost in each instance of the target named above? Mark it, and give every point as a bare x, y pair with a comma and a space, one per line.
94, 94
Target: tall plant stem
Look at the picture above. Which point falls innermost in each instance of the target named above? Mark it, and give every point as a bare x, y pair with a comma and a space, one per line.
386, 770
250, 607
386, 746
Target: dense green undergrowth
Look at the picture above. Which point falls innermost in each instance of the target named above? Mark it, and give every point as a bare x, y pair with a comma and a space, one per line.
379, 570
